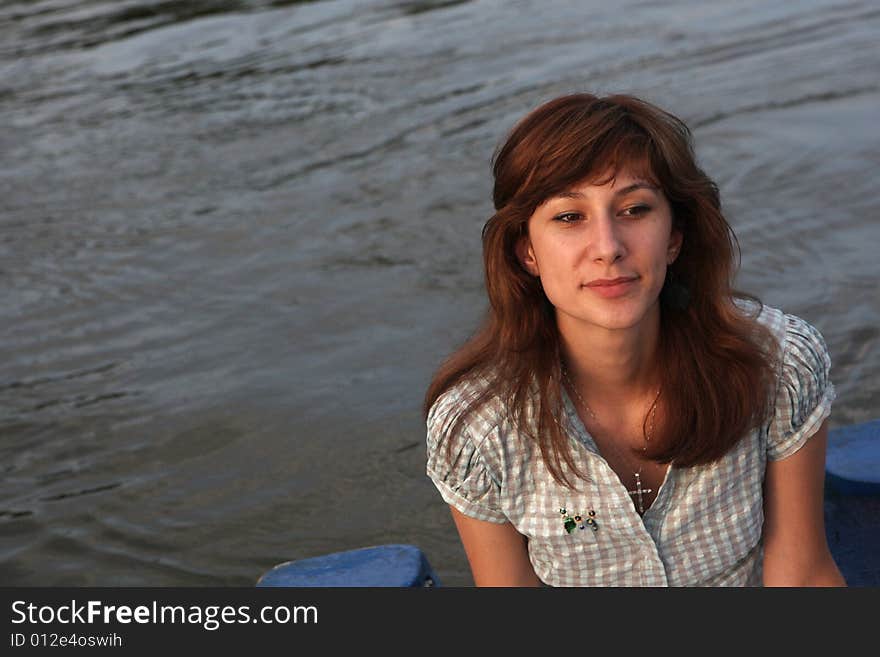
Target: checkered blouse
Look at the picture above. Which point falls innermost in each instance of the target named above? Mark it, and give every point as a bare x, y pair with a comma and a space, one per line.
703, 529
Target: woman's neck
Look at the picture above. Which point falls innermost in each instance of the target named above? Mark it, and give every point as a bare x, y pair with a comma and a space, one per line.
612, 367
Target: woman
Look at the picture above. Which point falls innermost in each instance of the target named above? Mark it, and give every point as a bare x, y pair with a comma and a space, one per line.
624, 417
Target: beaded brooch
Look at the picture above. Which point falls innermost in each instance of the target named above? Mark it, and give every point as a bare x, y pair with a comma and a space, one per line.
570, 523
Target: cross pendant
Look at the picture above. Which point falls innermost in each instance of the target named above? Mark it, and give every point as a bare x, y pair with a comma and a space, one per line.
639, 492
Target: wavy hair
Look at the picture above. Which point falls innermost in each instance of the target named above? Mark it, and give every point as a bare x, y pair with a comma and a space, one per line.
719, 363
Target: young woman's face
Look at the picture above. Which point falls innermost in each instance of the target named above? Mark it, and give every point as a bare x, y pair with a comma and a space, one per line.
601, 251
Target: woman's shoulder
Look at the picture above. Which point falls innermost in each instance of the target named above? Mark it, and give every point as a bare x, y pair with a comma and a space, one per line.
788, 329
805, 391
465, 459
470, 400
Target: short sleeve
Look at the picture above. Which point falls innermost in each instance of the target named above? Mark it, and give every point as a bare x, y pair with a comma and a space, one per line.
804, 390
462, 476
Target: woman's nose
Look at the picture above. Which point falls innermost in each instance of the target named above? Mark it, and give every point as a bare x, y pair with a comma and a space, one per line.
606, 244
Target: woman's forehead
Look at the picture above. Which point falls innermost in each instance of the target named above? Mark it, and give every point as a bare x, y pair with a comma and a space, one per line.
617, 179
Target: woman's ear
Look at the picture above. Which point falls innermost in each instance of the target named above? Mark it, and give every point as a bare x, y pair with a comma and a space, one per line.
675, 240
526, 256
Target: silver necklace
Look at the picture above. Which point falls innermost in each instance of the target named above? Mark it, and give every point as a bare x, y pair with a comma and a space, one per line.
638, 493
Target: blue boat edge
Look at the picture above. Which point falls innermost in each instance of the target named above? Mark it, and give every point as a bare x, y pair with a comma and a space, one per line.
392, 565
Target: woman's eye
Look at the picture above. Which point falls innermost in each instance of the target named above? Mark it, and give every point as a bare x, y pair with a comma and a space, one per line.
632, 211
636, 210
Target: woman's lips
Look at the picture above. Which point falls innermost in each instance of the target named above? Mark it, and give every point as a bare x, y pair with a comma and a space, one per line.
608, 289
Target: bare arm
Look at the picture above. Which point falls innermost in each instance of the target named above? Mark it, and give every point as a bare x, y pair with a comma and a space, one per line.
795, 547
498, 554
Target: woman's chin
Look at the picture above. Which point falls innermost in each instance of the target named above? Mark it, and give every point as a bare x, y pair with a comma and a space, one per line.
624, 317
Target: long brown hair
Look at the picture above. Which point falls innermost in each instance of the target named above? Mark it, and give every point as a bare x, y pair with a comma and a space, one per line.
719, 363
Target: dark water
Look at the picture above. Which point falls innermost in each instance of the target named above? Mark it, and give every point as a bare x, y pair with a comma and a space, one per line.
236, 238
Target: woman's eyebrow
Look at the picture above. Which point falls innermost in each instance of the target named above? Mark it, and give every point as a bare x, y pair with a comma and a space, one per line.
621, 192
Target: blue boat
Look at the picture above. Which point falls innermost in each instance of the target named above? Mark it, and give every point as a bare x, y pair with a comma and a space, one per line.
852, 501
852, 525
380, 565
